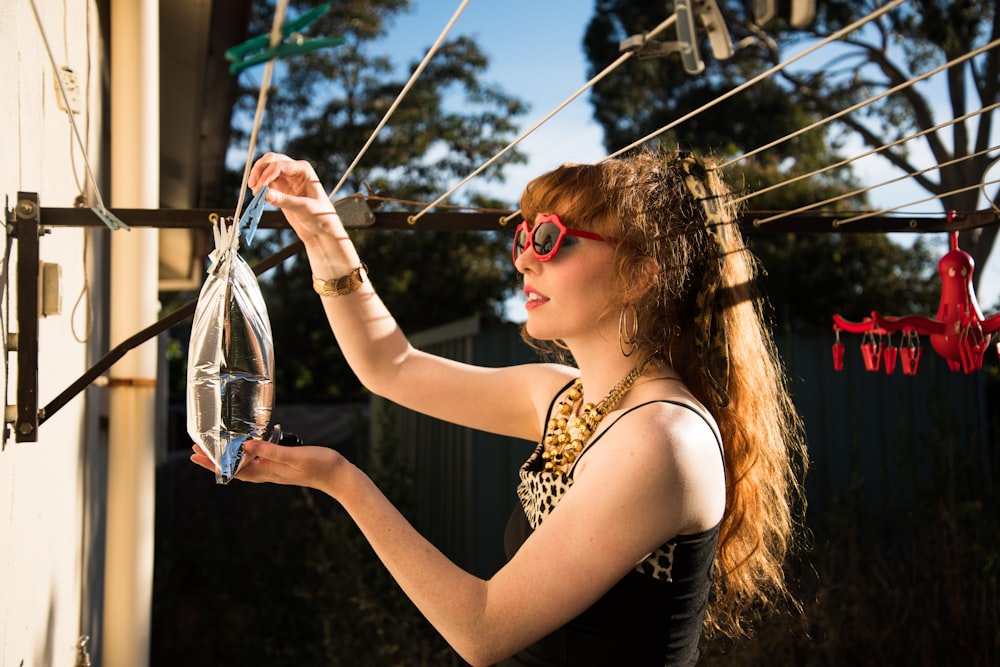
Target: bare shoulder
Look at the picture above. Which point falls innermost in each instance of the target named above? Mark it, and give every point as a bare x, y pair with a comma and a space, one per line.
670, 451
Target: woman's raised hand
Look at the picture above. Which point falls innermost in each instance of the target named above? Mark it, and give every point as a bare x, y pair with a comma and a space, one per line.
295, 188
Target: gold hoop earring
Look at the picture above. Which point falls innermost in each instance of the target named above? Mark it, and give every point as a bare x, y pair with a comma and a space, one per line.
627, 334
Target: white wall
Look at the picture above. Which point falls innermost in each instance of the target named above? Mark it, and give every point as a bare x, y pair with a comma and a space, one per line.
46, 488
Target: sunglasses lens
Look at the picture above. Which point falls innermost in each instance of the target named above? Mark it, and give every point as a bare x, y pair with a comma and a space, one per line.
520, 241
545, 238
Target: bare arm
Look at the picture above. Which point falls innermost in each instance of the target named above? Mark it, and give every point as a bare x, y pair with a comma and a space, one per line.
506, 401
664, 481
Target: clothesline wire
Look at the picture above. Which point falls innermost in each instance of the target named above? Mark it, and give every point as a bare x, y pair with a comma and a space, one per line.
872, 214
399, 98
607, 70
847, 195
878, 149
760, 77
618, 62
750, 82
276, 36
874, 98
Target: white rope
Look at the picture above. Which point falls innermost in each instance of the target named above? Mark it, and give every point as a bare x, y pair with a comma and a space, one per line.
399, 98
873, 151
843, 112
872, 214
279, 19
763, 75
785, 214
72, 121
607, 70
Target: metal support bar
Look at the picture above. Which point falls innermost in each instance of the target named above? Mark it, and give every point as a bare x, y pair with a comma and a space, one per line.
27, 231
818, 222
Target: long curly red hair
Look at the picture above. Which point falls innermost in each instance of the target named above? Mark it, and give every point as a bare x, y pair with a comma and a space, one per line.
643, 199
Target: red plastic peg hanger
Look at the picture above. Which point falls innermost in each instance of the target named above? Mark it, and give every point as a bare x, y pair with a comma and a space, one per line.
959, 332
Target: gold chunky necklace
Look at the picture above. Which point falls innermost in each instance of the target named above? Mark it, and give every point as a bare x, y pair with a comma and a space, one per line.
569, 429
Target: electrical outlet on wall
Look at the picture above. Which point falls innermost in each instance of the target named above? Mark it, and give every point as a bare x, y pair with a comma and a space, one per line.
71, 86
50, 289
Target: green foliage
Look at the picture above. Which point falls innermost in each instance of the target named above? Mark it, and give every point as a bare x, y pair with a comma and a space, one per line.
809, 277
644, 95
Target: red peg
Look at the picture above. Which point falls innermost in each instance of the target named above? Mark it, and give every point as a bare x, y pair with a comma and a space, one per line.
910, 356
872, 355
972, 353
838, 356
889, 354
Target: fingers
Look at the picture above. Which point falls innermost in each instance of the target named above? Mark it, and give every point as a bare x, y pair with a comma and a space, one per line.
295, 177
264, 449
264, 171
202, 459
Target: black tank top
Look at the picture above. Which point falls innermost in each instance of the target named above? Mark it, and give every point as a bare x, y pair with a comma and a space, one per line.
652, 617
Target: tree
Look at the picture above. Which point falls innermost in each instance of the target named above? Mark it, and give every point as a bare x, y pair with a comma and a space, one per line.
324, 108
891, 50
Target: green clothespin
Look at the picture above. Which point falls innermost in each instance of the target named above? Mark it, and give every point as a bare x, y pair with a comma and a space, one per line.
258, 49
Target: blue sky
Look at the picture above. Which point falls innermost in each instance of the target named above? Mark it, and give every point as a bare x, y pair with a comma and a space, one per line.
536, 53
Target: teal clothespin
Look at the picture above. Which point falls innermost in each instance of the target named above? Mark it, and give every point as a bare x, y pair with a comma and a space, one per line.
258, 49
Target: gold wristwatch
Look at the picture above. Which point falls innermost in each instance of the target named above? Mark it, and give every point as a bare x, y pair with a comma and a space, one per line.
342, 285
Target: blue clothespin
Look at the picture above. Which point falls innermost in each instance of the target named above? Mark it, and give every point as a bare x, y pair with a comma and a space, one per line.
258, 49
251, 216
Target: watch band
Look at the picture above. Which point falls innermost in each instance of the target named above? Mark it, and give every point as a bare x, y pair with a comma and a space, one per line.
342, 285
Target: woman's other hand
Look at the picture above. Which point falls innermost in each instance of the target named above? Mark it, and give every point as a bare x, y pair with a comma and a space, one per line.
313, 467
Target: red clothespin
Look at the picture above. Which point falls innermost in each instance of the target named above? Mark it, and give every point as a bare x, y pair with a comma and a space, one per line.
838, 350
889, 356
909, 351
871, 350
972, 346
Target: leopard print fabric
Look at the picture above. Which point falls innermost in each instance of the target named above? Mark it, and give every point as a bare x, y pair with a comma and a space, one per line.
540, 492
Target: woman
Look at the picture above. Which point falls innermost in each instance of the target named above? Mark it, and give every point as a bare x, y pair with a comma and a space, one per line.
659, 500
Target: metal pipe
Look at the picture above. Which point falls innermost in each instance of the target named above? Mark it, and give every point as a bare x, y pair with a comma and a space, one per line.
135, 146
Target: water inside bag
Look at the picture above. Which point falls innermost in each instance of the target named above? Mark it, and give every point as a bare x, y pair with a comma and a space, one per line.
230, 362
